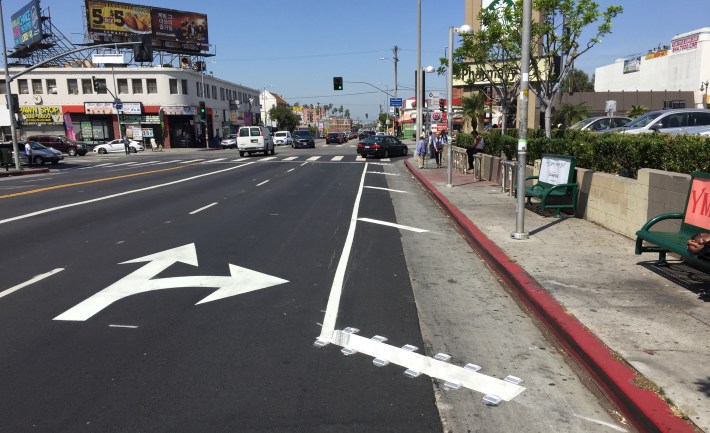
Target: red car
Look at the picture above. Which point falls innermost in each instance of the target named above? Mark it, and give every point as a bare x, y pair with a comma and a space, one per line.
335, 137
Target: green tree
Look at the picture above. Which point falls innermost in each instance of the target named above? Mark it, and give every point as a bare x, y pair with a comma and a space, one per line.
285, 117
569, 114
577, 81
636, 111
558, 35
347, 113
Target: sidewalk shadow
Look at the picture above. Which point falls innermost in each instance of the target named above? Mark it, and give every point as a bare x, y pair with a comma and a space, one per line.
683, 274
704, 386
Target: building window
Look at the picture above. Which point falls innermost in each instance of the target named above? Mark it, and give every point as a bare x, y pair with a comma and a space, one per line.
122, 86
240, 95
137, 85
87, 88
221, 93
152, 85
184, 87
173, 86
199, 89
72, 86
207, 90
51, 86
102, 86
37, 87
2, 87
214, 92
22, 86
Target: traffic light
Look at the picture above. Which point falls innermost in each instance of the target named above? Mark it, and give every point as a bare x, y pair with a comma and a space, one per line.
337, 83
143, 51
442, 104
202, 110
96, 83
15, 103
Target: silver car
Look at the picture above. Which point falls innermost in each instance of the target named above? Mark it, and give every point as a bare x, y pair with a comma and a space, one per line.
40, 154
229, 142
667, 121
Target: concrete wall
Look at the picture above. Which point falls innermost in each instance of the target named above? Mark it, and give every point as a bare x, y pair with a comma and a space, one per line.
620, 204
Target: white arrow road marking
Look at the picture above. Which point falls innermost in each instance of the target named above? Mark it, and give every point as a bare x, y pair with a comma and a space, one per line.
389, 224
241, 280
429, 366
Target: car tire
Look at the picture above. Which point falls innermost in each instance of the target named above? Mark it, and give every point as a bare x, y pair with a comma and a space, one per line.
387, 153
55, 162
103, 151
134, 150
241, 152
405, 151
38, 160
71, 151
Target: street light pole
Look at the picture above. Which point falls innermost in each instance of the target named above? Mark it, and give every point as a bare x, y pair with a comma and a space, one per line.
8, 94
420, 93
450, 95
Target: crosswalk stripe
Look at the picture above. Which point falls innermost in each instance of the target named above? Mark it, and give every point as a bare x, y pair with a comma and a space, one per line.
290, 158
268, 158
313, 158
337, 158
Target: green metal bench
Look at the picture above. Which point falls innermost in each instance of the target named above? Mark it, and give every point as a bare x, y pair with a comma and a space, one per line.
695, 219
555, 185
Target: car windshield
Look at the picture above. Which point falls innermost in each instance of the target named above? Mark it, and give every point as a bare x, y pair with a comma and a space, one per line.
302, 134
643, 120
582, 123
280, 134
375, 139
35, 145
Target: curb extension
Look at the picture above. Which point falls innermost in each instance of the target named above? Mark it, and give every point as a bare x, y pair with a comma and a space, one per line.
642, 408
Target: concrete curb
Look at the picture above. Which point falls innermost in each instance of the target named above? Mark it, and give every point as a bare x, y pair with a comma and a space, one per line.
642, 408
24, 172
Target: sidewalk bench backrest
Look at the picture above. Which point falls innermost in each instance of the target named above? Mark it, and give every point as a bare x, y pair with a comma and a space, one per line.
556, 169
697, 205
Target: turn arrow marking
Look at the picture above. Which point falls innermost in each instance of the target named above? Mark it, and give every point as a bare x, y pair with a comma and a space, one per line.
241, 280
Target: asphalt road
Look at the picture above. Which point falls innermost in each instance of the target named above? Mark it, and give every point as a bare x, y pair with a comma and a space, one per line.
183, 292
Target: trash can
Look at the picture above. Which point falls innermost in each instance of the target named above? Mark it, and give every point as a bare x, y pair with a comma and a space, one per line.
6, 158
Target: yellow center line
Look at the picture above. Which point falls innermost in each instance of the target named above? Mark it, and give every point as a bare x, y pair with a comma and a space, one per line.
87, 182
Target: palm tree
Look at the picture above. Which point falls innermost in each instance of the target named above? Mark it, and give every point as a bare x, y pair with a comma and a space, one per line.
569, 114
636, 111
472, 108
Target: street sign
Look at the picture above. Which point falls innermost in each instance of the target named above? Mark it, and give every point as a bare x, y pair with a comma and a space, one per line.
395, 102
118, 104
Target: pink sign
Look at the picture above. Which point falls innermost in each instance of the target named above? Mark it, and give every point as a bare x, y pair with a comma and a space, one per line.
697, 212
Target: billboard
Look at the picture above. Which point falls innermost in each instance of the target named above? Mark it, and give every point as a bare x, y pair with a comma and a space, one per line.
27, 25
170, 29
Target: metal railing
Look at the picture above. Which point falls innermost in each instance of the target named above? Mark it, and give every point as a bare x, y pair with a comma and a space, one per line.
508, 175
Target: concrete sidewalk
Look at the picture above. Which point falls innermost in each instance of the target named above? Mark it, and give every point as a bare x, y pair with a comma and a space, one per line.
642, 334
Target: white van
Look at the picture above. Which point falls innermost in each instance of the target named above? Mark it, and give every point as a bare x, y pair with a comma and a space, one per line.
252, 139
283, 137
667, 121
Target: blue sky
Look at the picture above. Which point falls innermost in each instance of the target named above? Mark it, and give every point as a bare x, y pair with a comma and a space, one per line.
296, 47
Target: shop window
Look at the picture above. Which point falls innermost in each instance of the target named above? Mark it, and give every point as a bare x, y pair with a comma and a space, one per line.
184, 87
122, 85
173, 86
72, 86
137, 85
37, 87
23, 87
152, 85
199, 90
51, 86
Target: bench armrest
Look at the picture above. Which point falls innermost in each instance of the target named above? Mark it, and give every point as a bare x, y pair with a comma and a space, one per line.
532, 177
661, 217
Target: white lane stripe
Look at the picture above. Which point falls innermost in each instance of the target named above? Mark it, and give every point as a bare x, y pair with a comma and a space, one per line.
120, 194
202, 208
389, 224
216, 160
123, 326
191, 160
290, 158
385, 160
429, 366
123, 163
104, 165
27, 283
387, 189
313, 158
268, 158
290, 170
336, 290
337, 158
383, 173
259, 184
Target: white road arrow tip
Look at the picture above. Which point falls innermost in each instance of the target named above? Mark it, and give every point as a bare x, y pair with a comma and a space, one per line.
243, 280
186, 254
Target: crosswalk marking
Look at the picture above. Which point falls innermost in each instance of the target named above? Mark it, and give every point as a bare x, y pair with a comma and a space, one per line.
313, 158
290, 158
337, 158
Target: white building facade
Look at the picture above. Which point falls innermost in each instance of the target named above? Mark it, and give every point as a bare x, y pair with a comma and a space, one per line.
160, 102
682, 66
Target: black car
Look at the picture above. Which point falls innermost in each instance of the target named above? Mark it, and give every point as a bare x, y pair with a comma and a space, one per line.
381, 146
302, 138
335, 137
364, 134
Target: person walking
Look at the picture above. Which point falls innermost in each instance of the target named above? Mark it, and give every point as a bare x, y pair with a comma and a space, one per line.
421, 151
438, 148
28, 153
126, 144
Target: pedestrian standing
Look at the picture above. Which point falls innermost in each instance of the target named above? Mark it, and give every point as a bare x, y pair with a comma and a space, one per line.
438, 148
475, 147
28, 153
421, 151
126, 144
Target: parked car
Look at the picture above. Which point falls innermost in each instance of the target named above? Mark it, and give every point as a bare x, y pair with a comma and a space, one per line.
364, 134
283, 137
251, 139
303, 138
117, 145
667, 121
335, 137
382, 146
40, 154
600, 123
229, 142
61, 143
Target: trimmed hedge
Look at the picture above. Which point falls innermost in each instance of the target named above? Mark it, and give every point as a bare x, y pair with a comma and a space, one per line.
623, 154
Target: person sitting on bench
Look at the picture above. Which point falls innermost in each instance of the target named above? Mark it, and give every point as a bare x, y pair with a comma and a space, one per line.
700, 244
